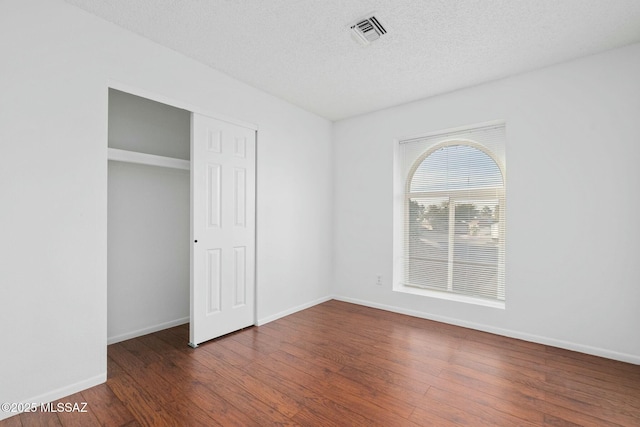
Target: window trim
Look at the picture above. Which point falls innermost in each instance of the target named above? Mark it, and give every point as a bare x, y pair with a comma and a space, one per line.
449, 296
402, 186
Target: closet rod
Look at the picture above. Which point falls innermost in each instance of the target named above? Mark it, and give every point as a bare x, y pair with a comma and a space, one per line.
147, 159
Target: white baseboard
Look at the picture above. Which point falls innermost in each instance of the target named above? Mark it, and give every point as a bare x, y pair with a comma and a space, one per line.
284, 313
59, 393
148, 330
567, 345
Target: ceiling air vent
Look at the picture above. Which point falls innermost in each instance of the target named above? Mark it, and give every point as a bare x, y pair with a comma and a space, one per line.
367, 30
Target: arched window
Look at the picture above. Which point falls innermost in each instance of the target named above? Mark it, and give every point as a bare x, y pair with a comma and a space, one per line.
454, 221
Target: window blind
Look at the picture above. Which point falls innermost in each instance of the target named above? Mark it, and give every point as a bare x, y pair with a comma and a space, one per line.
454, 222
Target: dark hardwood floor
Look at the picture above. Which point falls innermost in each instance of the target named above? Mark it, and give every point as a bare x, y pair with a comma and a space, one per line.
347, 365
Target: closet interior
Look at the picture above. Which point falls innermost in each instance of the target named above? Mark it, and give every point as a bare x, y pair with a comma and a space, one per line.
148, 216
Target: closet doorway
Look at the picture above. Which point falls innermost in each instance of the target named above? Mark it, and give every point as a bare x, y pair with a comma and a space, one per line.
181, 221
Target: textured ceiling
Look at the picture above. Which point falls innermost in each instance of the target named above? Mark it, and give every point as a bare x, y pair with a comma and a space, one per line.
303, 52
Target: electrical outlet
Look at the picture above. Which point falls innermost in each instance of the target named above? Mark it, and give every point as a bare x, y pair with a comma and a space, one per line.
379, 281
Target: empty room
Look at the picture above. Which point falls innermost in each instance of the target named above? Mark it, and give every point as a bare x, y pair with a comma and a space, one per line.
299, 212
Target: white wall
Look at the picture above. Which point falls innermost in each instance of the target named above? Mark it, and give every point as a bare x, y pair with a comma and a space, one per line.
148, 249
572, 203
139, 124
57, 62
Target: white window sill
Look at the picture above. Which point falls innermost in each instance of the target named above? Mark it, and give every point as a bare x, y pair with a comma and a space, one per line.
448, 296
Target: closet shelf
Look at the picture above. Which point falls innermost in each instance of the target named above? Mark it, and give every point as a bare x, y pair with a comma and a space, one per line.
147, 159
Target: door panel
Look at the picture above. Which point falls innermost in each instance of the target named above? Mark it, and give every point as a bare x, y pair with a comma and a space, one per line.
222, 229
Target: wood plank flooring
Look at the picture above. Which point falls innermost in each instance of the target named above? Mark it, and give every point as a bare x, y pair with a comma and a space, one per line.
339, 364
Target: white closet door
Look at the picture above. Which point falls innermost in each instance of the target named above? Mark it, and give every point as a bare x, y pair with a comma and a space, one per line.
222, 228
